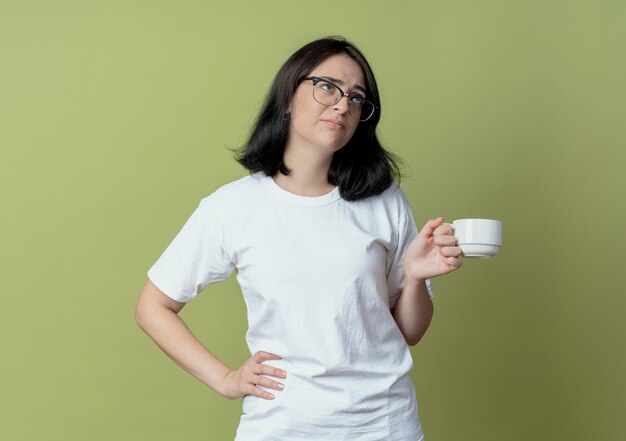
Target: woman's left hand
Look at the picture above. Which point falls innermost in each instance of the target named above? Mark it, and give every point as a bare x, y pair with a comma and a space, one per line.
432, 253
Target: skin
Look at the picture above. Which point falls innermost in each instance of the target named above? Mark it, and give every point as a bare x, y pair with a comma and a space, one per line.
316, 133
433, 253
313, 136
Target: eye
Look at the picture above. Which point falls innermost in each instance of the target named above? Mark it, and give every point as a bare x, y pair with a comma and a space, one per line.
357, 99
327, 87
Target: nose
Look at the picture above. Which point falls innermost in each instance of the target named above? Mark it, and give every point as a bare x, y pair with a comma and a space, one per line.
342, 105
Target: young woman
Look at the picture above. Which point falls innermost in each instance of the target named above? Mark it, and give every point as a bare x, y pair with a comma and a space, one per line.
333, 271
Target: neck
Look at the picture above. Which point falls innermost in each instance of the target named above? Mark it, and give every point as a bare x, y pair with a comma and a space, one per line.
309, 173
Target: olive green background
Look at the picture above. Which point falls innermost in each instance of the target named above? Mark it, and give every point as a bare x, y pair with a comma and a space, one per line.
115, 119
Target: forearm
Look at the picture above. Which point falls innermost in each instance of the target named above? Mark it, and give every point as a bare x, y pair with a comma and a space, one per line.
413, 311
174, 338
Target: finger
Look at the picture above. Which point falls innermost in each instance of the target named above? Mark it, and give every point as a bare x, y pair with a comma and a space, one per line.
445, 241
252, 381
262, 356
253, 390
429, 227
451, 251
443, 229
269, 370
453, 262
264, 381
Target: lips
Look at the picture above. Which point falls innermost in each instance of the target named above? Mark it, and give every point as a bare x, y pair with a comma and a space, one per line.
334, 123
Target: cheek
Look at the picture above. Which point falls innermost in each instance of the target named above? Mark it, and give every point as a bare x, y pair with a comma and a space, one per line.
300, 120
302, 111
350, 131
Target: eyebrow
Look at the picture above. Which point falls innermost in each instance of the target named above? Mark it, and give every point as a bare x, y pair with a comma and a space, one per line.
341, 83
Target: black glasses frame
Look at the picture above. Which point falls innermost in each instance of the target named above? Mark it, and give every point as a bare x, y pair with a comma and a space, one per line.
316, 80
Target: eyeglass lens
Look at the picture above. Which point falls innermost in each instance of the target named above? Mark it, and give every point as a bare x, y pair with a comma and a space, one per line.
328, 94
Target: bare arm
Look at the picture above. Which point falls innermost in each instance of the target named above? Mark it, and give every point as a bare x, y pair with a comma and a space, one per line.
157, 315
433, 253
413, 311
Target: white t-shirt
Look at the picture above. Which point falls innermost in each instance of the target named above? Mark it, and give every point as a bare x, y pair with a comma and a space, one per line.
318, 275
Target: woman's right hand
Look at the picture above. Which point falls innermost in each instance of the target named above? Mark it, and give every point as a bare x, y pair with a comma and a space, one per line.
243, 381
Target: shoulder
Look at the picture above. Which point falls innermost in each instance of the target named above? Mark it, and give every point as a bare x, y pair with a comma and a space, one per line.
393, 191
231, 192
232, 198
392, 199
389, 207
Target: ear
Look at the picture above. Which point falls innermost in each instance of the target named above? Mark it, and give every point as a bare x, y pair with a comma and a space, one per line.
287, 115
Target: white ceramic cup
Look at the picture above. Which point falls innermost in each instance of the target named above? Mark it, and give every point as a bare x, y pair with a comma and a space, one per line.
478, 238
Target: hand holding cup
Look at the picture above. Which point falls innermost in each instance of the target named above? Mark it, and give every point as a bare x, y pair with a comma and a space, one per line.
433, 252
438, 246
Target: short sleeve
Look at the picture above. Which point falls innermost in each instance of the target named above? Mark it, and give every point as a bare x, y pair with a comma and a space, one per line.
407, 231
195, 258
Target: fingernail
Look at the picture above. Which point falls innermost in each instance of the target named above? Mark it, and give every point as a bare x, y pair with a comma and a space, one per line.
281, 386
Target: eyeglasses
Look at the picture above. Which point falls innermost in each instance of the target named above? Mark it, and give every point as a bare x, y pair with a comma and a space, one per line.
328, 93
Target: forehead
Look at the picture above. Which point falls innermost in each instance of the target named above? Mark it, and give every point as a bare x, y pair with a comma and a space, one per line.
341, 67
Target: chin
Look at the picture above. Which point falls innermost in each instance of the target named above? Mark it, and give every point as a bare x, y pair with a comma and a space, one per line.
333, 145
333, 148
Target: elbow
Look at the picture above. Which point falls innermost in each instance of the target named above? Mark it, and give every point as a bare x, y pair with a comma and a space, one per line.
413, 341
138, 317
141, 315
415, 337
